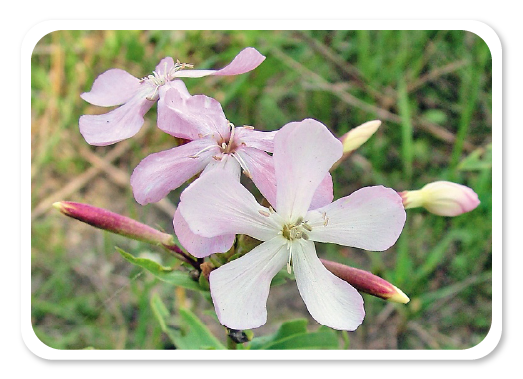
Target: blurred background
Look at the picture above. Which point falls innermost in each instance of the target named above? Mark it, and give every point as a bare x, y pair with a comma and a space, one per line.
432, 91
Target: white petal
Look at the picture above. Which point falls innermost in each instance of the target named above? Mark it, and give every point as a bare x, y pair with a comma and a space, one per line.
371, 218
303, 154
240, 288
330, 300
224, 162
217, 204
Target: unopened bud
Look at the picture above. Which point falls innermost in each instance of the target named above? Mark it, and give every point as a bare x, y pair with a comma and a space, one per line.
366, 282
357, 136
114, 222
442, 198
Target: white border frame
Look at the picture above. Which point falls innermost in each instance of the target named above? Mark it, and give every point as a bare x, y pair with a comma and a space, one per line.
479, 351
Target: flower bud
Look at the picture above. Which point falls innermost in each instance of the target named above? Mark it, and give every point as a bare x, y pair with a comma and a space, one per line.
442, 198
357, 136
114, 222
366, 282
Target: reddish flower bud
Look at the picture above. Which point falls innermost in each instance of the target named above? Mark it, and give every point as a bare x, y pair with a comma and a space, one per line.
114, 222
366, 282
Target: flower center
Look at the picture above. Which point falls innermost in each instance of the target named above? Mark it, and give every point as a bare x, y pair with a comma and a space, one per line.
158, 80
297, 230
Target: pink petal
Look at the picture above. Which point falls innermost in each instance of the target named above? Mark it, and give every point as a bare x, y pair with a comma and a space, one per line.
118, 124
217, 204
165, 65
261, 169
303, 154
330, 300
191, 117
113, 87
196, 245
247, 60
162, 172
254, 138
371, 218
240, 288
324, 193
224, 162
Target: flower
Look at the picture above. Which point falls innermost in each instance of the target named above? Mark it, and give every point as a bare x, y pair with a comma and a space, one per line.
137, 96
371, 218
442, 198
215, 144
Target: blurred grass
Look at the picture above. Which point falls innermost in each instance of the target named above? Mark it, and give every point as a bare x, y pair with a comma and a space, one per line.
431, 89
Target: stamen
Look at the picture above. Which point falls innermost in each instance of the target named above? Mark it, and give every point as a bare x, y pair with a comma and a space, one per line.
197, 155
152, 97
243, 165
325, 218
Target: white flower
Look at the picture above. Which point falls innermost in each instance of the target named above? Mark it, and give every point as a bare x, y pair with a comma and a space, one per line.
217, 204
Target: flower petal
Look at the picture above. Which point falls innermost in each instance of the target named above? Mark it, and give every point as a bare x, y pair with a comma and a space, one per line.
246, 136
247, 60
371, 218
240, 288
260, 167
196, 245
191, 117
113, 87
217, 204
330, 300
159, 173
303, 154
224, 162
116, 125
324, 193
164, 66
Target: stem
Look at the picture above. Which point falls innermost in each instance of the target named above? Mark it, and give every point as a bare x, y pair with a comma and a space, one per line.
231, 345
180, 254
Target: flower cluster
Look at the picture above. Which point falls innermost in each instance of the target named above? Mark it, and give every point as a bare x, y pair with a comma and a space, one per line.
290, 167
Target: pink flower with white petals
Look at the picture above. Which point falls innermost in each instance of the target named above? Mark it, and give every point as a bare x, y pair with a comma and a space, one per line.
371, 218
136, 96
215, 145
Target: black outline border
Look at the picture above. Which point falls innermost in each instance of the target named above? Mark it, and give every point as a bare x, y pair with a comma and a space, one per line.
490, 359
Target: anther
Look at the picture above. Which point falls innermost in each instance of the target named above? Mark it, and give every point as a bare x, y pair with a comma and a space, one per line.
264, 213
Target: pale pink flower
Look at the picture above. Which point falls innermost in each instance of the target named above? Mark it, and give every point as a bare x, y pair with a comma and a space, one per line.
216, 145
136, 96
217, 204
442, 198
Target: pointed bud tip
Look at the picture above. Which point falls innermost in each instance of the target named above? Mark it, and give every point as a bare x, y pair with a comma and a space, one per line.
399, 296
62, 206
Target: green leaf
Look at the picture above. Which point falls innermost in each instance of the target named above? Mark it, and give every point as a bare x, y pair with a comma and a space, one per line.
162, 314
293, 335
190, 333
479, 159
167, 274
